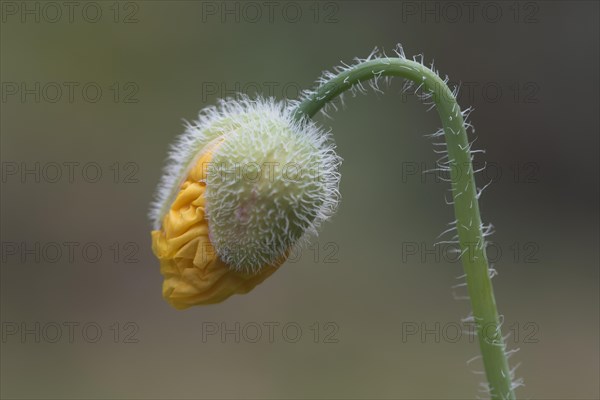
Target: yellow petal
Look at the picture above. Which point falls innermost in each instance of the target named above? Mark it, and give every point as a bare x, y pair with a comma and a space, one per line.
193, 272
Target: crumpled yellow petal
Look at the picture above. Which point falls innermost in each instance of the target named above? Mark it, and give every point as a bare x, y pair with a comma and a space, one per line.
193, 272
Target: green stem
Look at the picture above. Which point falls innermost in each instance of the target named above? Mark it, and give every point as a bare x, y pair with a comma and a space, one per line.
465, 194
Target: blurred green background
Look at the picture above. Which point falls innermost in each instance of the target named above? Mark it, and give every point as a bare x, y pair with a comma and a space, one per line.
372, 284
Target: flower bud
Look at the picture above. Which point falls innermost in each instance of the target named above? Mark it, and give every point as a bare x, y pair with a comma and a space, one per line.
243, 186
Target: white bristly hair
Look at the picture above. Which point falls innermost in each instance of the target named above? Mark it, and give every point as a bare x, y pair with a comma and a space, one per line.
253, 222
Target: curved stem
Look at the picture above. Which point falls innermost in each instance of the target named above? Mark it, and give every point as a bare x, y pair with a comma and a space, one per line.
464, 191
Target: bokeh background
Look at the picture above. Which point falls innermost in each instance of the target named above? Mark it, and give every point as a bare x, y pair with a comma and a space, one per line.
372, 295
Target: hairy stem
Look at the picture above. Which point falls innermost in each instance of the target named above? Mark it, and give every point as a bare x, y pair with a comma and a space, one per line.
464, 191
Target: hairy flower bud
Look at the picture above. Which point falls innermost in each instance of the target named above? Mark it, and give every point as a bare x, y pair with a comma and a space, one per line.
243, 186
